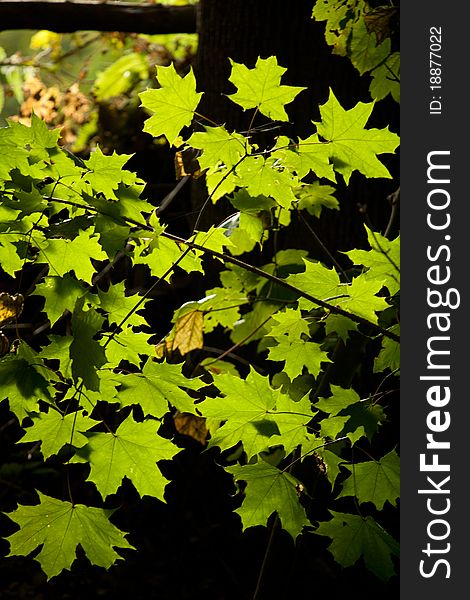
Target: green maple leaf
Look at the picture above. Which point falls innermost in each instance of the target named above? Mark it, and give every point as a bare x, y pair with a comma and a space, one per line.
120, 76
22, 385
246, 408
86, 353
364, 51
269, 490
158, 385
386, 79
354, 536
364, 420
362, 300
13, 152
261, 177
9, 258
290, 323
60, 527
332, 462
118, 305
374, 481
312, 155
314, 197
339, 400
291, 418
61, 294
106, 172
75, 255
389, 355
317, 280
218, 145
332, 426
127, 345
352, 147
174, 103
56, 430
261, 88
132, 452
161, 253
298, 354
339, 325
382, 261
59, 349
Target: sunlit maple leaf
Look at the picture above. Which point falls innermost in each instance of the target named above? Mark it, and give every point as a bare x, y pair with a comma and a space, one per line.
60, 527
174, 103
261, 88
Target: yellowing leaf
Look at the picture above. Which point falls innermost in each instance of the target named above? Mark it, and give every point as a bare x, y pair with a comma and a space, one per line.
187, 334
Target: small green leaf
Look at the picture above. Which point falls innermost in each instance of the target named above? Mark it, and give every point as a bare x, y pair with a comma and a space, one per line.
389, 355
354, 536
261, 88
297, 355
269, 490
105, 173
174, 103
352, 147
246, 408
158, 385
362, 300
55, 431
132, 452
374, 481
86, 353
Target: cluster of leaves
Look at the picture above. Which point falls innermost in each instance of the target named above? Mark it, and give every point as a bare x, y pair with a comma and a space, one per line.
363, 34
68, 219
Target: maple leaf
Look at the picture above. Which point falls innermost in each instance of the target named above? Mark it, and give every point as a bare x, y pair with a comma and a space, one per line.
382, 260
127, 344
290, 323
374, 481
362, 300
261, 88
118, 305
291, 418
86, 353
386, 79
298, 354
269, 490
246, 408
339, 325
261, 177
187, 334
355, 536
106, 172
218, 145
340, 399
389, 355
55, 431
314, 197
60, 527
352, 147
158, 385
9, 258
132, 452
60, 293
365, 53
75, 255
22, 385
174, 103
317, 280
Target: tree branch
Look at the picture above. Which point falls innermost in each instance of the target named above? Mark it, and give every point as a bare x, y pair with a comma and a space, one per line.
67, 17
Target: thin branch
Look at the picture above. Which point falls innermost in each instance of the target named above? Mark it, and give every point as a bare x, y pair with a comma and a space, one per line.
68, 17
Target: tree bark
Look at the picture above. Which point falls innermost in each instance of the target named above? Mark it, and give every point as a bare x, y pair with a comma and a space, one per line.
67, 17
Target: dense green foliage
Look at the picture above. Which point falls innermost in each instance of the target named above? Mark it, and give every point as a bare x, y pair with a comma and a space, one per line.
98, 390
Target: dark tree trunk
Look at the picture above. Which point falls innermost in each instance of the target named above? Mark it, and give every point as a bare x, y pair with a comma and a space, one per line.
242, 31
